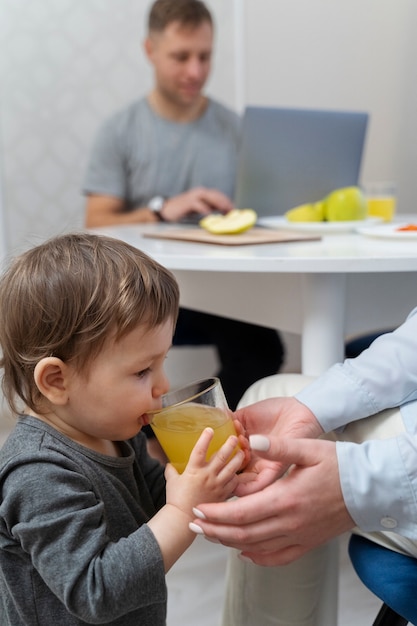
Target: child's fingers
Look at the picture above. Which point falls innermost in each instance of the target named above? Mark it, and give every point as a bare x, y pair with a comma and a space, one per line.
199, 452
244, 446
243, 440
233, 466
224, 456
226, 450
239, 427
228, 474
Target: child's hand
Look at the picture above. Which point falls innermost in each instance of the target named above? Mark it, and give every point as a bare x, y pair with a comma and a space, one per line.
216, 478
243, 442
210, 481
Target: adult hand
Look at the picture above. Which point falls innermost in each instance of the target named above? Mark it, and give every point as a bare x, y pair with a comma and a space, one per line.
198, 200
283, 417
295, 514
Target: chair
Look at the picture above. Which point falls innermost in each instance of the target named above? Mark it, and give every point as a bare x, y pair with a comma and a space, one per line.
391, 576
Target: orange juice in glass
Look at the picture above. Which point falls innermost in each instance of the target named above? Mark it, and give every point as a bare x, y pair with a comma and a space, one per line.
382, 200
185, 413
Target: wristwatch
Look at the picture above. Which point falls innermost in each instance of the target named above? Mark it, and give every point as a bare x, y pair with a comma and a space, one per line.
155, 205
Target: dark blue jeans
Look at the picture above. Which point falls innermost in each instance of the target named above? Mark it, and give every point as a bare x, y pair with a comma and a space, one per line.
246, 352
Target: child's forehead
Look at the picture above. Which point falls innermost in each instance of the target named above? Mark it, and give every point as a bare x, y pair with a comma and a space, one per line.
141, 329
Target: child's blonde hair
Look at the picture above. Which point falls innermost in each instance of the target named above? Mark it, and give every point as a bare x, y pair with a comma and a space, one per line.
66, 297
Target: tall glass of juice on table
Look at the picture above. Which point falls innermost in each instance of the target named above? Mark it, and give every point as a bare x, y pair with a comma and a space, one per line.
381, 198
185, 413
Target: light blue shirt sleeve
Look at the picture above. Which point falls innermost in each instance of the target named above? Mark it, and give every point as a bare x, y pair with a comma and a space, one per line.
379, 483
383, 376
378, 477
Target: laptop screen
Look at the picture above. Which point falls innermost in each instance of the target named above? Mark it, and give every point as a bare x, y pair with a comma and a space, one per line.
292, 156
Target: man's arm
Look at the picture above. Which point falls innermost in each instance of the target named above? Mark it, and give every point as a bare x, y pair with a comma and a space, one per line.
109, 210
103, 210
381, 377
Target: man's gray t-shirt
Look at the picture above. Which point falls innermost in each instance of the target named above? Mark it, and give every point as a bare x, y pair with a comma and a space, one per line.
138, 154
74, 544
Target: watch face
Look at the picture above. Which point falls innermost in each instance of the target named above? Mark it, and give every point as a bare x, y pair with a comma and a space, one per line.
156, 203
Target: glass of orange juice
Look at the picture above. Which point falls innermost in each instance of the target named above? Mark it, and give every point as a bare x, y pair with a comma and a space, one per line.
185, 413
382, 199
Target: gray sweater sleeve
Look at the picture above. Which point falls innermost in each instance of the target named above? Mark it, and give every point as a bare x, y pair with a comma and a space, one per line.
83, 530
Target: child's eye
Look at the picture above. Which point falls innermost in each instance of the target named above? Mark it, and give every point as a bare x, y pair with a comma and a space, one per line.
143, 373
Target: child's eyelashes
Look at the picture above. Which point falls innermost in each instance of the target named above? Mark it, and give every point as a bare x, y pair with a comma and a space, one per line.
143, 373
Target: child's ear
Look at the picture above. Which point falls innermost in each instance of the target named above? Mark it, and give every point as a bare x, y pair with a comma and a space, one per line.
51, 378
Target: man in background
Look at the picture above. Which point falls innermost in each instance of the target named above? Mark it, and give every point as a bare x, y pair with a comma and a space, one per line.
172, 155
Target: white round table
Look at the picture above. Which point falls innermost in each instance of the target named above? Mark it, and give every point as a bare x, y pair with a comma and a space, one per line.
324, 290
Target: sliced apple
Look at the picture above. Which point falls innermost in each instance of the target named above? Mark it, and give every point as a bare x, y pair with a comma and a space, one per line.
232, 223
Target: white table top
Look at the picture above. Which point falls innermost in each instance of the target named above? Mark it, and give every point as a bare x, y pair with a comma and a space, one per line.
350, 252
325, 290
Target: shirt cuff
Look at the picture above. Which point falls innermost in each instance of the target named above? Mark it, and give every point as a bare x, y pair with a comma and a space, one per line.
377, 485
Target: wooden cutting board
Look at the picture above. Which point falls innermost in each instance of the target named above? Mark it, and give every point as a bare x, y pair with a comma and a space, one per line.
250, 237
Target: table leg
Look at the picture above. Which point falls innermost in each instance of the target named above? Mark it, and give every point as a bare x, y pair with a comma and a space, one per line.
324, 306
322, 344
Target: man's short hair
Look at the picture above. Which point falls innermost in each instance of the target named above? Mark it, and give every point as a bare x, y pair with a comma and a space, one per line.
189, 13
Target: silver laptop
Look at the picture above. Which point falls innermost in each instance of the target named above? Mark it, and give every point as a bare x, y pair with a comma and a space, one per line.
292, 156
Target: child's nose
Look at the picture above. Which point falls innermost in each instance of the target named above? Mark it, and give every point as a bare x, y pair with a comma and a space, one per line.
161, 386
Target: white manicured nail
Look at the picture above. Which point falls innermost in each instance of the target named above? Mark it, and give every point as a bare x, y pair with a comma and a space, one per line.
259, 442
195, 528
199, 513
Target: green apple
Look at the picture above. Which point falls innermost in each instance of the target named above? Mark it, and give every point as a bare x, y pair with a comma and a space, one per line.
306, 213
345, 204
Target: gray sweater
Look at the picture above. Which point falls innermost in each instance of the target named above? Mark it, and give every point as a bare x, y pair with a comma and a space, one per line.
137, 154
74, 544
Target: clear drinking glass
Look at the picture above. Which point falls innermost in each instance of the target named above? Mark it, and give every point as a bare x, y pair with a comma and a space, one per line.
185, 413
382, 199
